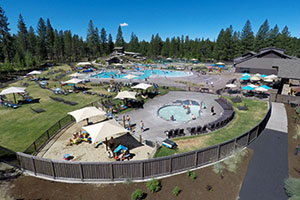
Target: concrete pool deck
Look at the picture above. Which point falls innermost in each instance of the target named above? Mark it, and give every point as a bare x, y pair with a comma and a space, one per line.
156, 125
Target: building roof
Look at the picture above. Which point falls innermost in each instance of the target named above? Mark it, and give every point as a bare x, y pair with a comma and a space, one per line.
259, 63
288, 68
118, 48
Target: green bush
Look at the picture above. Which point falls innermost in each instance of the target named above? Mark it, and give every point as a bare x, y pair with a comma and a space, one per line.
292, 187
188, 173
294, 198
297, 110
153, 185
176, 191
136, 195
219, 168
193, 176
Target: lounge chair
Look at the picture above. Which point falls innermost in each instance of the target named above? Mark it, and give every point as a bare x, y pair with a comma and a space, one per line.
37, 110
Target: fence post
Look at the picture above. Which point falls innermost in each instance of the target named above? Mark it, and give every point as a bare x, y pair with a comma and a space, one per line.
196, 158
48, 134
248, 138
218, 152
111, 171
59, 125
53, 170
142, 169
81, 172
34, 146
33, 165
256, 134
170, 165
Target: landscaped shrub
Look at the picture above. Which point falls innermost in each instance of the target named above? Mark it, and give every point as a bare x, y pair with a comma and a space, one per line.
231, 164
193, 176
137, 195
219, 168
297, 133
188, 173
176, 191
297, 110
128, 181
153, 185
292, 187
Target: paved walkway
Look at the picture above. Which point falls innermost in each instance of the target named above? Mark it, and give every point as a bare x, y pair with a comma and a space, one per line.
268, 167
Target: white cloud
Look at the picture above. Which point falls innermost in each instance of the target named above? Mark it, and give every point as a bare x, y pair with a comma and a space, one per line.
124, 24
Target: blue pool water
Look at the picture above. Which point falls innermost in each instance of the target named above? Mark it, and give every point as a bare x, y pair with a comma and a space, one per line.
142, 74
179, 112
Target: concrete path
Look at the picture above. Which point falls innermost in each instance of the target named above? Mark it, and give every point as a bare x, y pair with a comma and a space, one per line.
268, 167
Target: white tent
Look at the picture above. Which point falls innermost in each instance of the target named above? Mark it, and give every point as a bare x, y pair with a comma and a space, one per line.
86, 112
75, 74
13, 90
231, 85
143, 86
252, 85
169, 58
268, 80
106, 129
220, 63
194, 59
74, 81
261, 89
34, 72
129, 76
83, 63
272, 76
254, 78
126, 95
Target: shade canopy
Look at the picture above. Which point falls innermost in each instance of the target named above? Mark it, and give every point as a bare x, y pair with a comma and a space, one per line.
263, 75
75, 74
231, 85
220, 63
265, 86
261, 89
143, 86
252, 85
86, 112
126, 95
106, 129
83, 63
255, 78
245, 74
272, 76
244, 78
13, 90
130, 76
268, 80
247, 88
74, 81
34, 72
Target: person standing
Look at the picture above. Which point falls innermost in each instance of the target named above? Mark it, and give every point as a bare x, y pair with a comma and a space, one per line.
212, 110
142, 125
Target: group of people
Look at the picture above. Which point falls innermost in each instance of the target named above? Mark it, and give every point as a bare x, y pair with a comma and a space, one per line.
79, 137
129, 125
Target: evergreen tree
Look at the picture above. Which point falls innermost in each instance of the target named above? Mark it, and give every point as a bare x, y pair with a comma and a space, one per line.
103, 42
110, 44
166, 48
41, 39
133, 43
31, 41
68, 45
119, 39
262, 36
247, 38
21, 37
6, 50
273, 37
49, 40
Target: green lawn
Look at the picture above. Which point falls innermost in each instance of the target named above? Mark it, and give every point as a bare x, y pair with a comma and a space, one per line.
21, 126
242, 122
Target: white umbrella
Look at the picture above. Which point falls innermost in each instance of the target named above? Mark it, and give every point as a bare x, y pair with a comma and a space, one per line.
74, 81
86, 112
130, 76
268, 80
252, 85
83, 63
254, 78
75, 74
106, 129
261, 89
34, 72
272, 76
220, 63
13, 90
143, 86
258, 74
126, 95
231, 85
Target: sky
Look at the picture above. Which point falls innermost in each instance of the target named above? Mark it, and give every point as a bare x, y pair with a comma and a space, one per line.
195, 18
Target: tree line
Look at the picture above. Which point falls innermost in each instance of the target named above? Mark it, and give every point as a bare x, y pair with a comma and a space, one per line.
31, 47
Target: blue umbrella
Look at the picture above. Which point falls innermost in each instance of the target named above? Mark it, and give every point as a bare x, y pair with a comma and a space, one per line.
247, 88
263, 75
245, 78
246, 74
221, 66
266, 87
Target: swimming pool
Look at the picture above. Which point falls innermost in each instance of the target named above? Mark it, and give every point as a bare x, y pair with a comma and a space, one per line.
142, 74
179, 113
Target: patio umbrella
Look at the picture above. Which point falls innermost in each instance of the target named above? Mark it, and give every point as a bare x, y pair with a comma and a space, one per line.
83, 63
231, 85
143, 86
245, 74
244, 78
261, 89
248, 88
130, 76
268, 80
263, 75
75, 74
106, 129
34, 72
252, 85
255, 78
267, 87
74, 81
86, 112
220, 63
258, 74
126, 95
13, 90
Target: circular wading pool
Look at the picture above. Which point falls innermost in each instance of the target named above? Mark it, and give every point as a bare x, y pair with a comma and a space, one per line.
181, 112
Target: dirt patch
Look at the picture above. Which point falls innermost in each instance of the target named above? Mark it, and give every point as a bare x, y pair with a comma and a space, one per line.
27, 187
294, 160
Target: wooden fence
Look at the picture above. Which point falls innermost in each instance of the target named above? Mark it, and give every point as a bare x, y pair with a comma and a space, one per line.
280, 98
137, 170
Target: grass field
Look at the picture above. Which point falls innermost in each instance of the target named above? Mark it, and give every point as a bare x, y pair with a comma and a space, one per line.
21, 126
243, 121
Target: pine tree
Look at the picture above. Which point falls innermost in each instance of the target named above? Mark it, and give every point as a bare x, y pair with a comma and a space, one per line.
166, 48
68, 45
247, 38
133, 43
273, 37
110, 44
31, 41
21, 37
49, 40
41, 39
6, 50
262, 36
119, 39
103, 42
